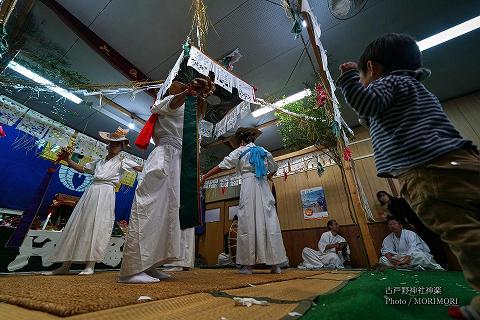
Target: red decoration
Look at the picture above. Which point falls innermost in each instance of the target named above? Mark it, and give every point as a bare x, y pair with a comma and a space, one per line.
347, 154
2, 133
143, 139
321, 95
224, 189
285, 175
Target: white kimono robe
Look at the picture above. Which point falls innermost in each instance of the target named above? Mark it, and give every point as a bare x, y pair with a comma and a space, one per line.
154, 236
324, 258
259, 238
409, 244
87, 233
188, 249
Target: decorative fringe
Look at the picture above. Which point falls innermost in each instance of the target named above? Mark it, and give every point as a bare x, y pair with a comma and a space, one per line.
199, 22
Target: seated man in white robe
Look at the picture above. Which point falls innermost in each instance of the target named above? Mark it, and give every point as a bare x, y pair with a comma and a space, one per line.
405, 249
333, 250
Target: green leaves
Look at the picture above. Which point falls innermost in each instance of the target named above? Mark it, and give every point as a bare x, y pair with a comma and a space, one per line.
298, 133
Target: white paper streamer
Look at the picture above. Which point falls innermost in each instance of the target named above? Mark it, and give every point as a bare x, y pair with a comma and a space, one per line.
206, 128
10, 110
200, 61
173, 73
223, 78
34, 123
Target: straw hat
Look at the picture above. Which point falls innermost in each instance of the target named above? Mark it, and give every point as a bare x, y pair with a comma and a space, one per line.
235, 139
119, 135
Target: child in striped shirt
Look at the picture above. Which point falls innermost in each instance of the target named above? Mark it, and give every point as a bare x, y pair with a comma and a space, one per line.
413, 140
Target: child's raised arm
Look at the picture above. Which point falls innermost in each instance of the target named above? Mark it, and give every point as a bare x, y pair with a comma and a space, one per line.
366, 101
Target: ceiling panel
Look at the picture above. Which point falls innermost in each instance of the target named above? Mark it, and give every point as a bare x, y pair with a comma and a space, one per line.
150, 34
85, 10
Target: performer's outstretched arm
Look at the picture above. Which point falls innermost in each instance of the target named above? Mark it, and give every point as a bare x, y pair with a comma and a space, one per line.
210, 173
74, 165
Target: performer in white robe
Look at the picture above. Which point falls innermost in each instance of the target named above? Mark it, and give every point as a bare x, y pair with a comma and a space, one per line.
332, 253
154, 236
259, 238
405, 249
87, 233
188, 252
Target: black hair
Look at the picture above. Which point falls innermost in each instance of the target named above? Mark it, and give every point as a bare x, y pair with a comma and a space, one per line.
246, 137
379, 194
330, 224
391, 218
393, 51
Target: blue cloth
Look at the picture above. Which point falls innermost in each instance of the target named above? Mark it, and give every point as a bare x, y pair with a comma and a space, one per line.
257, 160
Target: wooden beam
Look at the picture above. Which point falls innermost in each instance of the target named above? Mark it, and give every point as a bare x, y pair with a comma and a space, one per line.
359, 212
6, 9
298, 153
113, 57
392, 186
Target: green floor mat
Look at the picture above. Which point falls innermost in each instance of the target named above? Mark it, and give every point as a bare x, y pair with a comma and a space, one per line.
368, 297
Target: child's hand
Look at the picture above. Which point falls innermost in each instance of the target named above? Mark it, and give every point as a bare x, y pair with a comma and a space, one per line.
344, 67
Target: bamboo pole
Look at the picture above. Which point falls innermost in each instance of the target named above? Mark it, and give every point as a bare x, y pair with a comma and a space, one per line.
372, 256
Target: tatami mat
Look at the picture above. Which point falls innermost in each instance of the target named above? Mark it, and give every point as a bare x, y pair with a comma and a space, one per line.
294, 293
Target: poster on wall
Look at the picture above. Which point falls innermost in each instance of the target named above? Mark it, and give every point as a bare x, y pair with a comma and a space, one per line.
314, 205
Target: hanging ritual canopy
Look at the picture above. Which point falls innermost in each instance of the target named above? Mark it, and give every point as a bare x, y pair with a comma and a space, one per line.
231, 92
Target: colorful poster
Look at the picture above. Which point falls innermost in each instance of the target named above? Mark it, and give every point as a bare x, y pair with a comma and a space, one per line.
314, 204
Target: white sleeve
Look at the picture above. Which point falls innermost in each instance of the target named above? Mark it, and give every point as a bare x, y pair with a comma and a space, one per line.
415, 243
387, 246
163, 104
128, 165
90, 167
272, 166
323, 242
230, 161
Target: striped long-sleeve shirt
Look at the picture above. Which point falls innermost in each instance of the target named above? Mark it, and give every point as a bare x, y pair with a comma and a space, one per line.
408, 126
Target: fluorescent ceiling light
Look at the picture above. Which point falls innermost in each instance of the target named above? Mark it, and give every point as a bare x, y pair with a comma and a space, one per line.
304, 23
449, 34
41, 80
295, 97
131, 125
259, 112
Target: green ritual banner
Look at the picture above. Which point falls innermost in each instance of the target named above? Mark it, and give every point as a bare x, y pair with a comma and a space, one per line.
189, 195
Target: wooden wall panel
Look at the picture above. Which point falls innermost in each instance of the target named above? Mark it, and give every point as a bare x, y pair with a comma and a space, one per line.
366, 172
296, 240
215, 194
289, 205
465, 115
210, 244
